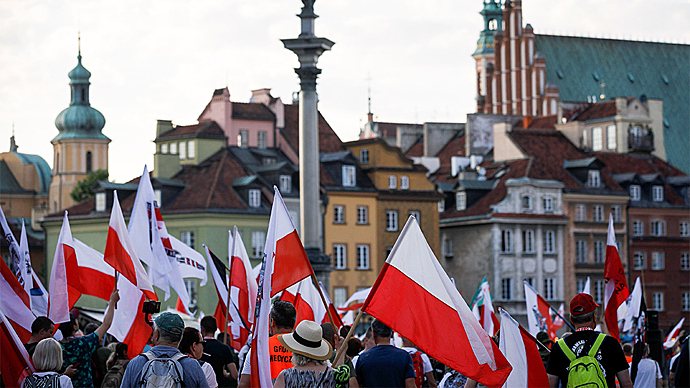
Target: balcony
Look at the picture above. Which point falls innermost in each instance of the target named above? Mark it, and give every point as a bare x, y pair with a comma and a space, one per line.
640, 140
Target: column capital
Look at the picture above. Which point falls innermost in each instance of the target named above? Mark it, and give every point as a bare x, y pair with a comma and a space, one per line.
307, 77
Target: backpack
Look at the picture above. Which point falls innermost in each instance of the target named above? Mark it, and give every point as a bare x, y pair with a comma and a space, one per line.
49, 381
163, 372
585, 370
418, 365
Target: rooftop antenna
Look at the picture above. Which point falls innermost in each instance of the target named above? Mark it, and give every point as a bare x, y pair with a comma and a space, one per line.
370, 115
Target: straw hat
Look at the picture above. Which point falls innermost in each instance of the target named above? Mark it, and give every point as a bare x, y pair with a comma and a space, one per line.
306, 340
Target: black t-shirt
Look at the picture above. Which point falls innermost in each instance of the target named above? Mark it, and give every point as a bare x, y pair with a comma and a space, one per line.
218, 355
610, 356
30, 348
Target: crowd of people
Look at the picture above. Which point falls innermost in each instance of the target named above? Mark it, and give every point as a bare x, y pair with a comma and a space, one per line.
304, 355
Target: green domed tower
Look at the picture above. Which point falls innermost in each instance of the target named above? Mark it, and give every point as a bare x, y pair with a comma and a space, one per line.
484, 54
80, 147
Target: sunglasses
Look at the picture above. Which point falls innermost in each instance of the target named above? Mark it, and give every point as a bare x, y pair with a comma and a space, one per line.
203, 342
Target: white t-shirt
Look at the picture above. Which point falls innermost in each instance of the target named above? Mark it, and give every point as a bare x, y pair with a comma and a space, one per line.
65, 381
210, 375
648, 372
425, 358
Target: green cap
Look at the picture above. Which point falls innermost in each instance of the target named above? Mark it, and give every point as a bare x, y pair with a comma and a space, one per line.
172, 323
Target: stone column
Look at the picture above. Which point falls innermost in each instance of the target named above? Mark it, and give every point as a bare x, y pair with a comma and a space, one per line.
308, 48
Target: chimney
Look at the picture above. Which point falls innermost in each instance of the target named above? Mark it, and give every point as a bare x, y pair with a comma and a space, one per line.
163, 126
526, 121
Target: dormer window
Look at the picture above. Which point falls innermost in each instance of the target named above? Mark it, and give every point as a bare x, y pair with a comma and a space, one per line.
100, 202
285, 183
460, 201
634, 192
526, 203
658, 193
392, 182
173, 148
254, 198
594, 178
597, 139
349, 176
164, 148
404, 182
548, 205
266, 161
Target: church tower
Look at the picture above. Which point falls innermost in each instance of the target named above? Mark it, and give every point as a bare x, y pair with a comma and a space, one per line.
484, 54
80, 147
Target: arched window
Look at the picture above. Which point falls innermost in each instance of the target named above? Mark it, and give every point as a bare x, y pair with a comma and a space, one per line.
83, 95
88, 162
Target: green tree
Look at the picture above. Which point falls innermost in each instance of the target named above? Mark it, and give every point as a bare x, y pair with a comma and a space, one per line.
83, 190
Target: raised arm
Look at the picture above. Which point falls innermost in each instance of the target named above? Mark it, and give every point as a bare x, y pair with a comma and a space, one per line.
108, 318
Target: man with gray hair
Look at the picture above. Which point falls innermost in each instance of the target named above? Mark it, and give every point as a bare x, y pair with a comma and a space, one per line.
167, 332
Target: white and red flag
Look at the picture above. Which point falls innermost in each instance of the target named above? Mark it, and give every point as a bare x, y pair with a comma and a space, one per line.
129, 323
616, 289
243, 290
59, 300
538, 311
88, 274
358, 296
520, 348
15, 303
307, 301
672, 336
16, 364
483, 309
414, 296
557, 323
120, 253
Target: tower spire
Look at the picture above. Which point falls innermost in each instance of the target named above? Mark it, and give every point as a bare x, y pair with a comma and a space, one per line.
13, 143
370, 116
79, 43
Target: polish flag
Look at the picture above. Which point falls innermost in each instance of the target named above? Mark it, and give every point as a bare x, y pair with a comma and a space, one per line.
521, 350
587, 289
672, 336
59, 301
414, 296
483, 309
15, 303
616, 290
243, 290
88, 274
120, 253
16, 364
291, 262
129, 323
357, 296
538, 311
307, 301
557, 323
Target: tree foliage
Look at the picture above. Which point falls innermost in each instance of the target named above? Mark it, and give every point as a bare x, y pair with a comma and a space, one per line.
83, 189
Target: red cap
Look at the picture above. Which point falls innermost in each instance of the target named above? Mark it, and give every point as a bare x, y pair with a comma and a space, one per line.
582, 304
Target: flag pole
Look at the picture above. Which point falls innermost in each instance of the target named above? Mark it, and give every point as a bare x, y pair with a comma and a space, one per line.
347, 338
560, 316
227, 301
323, 299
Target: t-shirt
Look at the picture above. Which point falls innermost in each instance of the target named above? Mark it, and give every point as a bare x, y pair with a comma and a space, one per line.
280, 358
79, 351
610, 356
193, 375
425, 359
219, 355
648, 372
32, 346
210, 374
63, 380
384, 366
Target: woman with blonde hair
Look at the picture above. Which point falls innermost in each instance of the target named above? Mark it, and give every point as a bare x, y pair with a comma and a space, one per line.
47, 360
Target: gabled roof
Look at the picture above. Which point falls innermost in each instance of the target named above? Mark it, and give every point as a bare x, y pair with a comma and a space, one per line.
328, 140
597, 111
544, 122
252, 111
207, 129
341, 156
332, 173
628, 68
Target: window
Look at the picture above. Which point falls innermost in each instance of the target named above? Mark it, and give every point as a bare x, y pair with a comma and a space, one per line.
580, 212
599, 251
658, 301
391, 220
339, 295
392, 182
526, 203
550, 241
442, 206
638, 228
339, 256
338, 214
599, 291
100, 202
548, 204
530, 281
258, 243
460, 201
658, 228
634, 192
285, 183
598, 213
417, 215
267, 161
364, 156
388, 251
404, 182
528, 241
639, 261
581, 251
173, 148
89, 164
362, 256
261, 139
580, 285
585, 143
658, 193
362, 215
685, 261
657, 261
594, 178
597, 139
506, 241
684, 229
190, 285
349, 176
611, 137
243, 138
164, 148
616, 212
685, 302
549, 288
187, 237
448, 248
183, 153
254, 198
506, 289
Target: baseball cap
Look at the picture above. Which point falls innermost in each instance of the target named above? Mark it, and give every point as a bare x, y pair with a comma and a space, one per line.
582, 304
172, 323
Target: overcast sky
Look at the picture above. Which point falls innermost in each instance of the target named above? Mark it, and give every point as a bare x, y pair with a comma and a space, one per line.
162, 59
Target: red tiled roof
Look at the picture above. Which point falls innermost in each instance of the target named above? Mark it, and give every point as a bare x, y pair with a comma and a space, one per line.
598, 111
203, 129
416, 150
544, 122
328, 140
455, 147
252, 111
